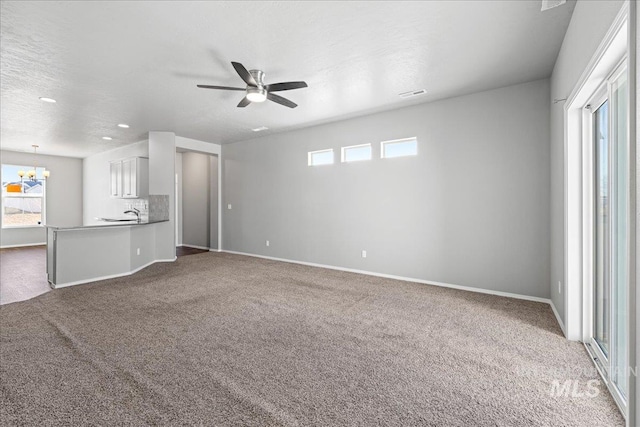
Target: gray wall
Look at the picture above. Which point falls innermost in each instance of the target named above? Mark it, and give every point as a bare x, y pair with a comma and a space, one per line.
588, 26
63, 199
97, 201
196, 198
143, 238
198, 212
471, 209
213, 202
85, 254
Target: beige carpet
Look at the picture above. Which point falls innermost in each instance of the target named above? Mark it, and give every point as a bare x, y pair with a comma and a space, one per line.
219, 339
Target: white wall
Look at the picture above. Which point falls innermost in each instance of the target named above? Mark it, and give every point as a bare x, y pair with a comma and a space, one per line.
634, 396
197, 145
96, 176
588, 26
63, 199
162, 164
179, 199
471, 209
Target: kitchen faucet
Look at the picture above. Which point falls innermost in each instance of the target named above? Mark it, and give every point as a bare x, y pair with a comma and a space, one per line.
134, 211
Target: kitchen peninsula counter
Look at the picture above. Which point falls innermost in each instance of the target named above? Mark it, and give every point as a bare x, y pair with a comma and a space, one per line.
102, 224
99, 250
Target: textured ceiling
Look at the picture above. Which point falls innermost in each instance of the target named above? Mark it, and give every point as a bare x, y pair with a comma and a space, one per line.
139, 63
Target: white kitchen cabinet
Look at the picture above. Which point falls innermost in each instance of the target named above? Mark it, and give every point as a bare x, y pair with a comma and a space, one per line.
116, 179
130, 178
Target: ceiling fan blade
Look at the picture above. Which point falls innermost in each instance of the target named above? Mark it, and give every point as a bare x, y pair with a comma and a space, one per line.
244, 74
285, 86
244, 102
220, 87
280, 100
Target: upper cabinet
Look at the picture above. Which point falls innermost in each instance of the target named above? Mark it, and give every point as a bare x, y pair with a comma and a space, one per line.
130, 178
116, 179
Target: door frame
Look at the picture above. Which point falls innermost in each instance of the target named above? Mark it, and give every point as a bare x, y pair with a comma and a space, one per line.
577, 204
191, 145
600, 96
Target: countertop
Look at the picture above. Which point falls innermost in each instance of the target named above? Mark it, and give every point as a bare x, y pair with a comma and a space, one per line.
104, 224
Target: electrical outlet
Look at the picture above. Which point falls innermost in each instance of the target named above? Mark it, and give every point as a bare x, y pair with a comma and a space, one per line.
138, 251
267, 243
364, 254
229, 206
559, 287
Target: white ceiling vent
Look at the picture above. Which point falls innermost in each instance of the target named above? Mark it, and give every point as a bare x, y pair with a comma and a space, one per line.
412, 93
550, 4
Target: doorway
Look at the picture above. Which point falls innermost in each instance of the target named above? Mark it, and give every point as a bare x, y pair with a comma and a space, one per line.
196, 202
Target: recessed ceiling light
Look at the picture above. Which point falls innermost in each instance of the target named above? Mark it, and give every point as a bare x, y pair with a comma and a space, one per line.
123, 126
107, 138
261, 128
42, 98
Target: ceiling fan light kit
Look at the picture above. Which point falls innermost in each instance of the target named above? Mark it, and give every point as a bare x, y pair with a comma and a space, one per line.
256, 94
256, 90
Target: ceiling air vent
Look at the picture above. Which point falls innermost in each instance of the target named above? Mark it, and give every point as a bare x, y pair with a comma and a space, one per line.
412, 93
550, 4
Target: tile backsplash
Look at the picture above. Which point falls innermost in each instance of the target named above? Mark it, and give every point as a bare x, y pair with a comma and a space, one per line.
141, 204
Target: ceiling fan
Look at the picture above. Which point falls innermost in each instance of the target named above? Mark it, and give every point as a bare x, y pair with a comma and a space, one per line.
256, 90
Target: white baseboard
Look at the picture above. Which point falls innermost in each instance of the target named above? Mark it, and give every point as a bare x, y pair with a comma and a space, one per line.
23, 246
406, 279
111, 276
558, 318
216, 250
204, 248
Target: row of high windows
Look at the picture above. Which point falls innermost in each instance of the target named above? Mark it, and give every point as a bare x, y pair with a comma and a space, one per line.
356, 153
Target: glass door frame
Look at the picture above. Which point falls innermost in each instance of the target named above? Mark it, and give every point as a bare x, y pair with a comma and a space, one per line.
604, 363
601, 359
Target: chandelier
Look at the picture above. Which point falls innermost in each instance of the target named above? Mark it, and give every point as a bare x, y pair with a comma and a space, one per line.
31, 174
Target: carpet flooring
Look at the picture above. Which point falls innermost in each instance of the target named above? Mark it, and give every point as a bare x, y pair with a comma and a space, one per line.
221, 339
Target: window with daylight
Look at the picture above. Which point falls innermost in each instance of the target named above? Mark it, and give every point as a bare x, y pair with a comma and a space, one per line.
399, 148
22, 197
356, 153
321, 157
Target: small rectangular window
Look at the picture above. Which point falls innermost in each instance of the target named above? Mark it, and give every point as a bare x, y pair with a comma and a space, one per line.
399, 148
321, 157
356, 153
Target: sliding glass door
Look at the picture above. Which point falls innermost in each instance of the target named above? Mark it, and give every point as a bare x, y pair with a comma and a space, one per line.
620, 233
602, 282
607, 302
